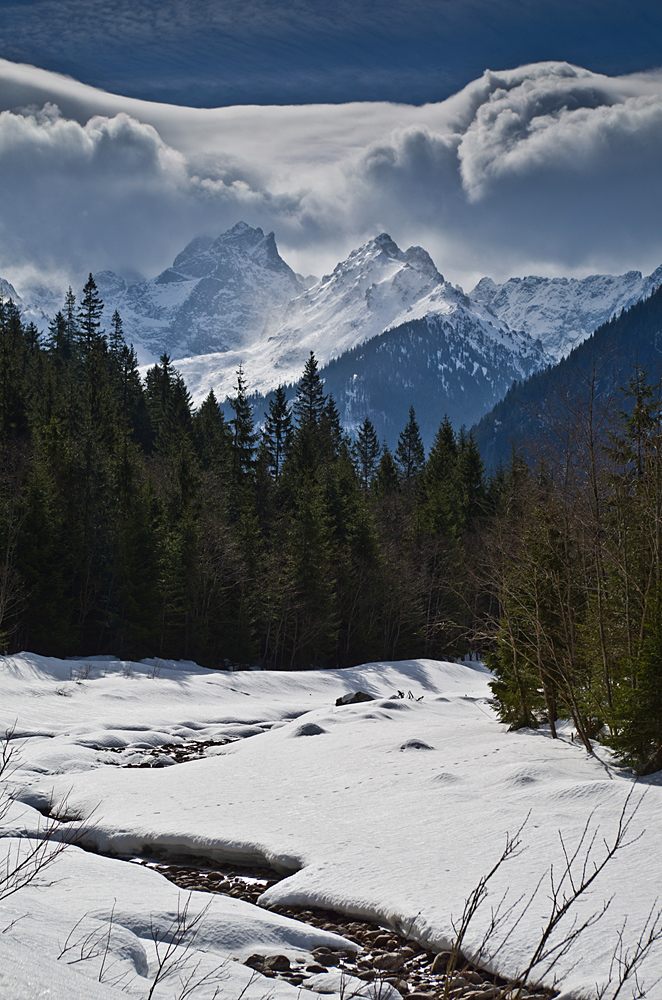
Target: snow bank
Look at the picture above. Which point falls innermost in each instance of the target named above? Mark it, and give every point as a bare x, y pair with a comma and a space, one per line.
391, 809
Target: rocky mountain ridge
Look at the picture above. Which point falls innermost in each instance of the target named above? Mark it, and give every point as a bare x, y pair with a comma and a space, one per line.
562, 312
386, 327
378, 288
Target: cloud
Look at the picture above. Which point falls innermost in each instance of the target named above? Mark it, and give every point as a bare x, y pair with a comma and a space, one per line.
546, 168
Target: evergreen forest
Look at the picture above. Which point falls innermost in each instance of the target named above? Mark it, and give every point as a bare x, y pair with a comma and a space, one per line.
132, 524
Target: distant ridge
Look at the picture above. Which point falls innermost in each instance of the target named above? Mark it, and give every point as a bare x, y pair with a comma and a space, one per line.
632, 338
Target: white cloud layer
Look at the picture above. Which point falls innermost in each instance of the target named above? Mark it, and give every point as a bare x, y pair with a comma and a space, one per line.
546, 168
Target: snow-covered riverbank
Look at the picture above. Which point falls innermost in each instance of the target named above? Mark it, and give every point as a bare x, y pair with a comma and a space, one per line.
391, 809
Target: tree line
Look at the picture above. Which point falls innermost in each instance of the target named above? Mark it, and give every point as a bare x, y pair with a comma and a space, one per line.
132, 524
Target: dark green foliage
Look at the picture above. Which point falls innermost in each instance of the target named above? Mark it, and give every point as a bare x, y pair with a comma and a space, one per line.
212, 436
242, 447
367, 453
309, 402
89, 318
410, 453
638, 737
278, 432
129, 523
387, 480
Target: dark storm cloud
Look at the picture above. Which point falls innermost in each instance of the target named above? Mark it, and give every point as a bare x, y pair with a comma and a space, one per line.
206, 52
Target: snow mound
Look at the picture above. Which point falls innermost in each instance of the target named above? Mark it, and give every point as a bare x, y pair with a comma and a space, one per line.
352, 823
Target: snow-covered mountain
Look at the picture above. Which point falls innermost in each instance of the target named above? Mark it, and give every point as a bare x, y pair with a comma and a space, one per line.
384, 317
439, 364
561, 312
31, 311
217, 296
376, 289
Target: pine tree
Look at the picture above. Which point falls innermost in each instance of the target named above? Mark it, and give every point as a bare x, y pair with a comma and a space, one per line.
309, 402
439, 496
277, 434
311, 566
168, 404
410, 453
211, 435
243, 433
116, 341
387, 481
470, 473
71, 321
89, 317
367, 450
442, 459
57, 336
310, 445
330, 433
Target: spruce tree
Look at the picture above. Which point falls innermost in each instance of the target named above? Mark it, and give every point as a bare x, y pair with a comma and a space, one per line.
211, 434
116, 341
330, 432
71, 321
470, 473
57, 335
243, 433
439, 500
387, 481
367, 450
277, 434
311, 444
89, 317
169, 405
410, 453
309, 402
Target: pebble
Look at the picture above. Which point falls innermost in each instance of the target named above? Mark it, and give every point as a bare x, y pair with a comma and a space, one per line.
406, 966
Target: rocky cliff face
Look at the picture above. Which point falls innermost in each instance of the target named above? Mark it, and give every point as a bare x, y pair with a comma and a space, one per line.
217, 296
562, 312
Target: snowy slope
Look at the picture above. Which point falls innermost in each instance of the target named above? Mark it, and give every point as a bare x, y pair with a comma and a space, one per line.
216, 296
31, 312
377, 288
561, 312
439, 364
393, 808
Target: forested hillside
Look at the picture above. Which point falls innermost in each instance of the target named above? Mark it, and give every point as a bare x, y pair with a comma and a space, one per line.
529, 413
131, 524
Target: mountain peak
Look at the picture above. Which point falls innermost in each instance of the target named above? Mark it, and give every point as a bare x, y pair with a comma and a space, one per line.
241, 233
385, 243
420, 259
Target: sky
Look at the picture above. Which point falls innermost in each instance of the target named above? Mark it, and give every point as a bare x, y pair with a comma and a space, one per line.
507, 138
207, 53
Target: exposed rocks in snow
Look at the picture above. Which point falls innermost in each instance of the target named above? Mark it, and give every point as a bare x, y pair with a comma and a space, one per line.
309, 729
416, 745
354, 698
386, 959
562, 312
167, 753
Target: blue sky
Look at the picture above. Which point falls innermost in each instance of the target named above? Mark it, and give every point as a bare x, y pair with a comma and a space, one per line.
207, 53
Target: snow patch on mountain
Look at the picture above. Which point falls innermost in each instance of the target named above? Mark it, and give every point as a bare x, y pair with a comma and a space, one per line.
561, 312
216, 296
379, 287
31, 312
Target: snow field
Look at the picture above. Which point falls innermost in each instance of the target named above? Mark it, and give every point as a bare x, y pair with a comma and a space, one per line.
391, 809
